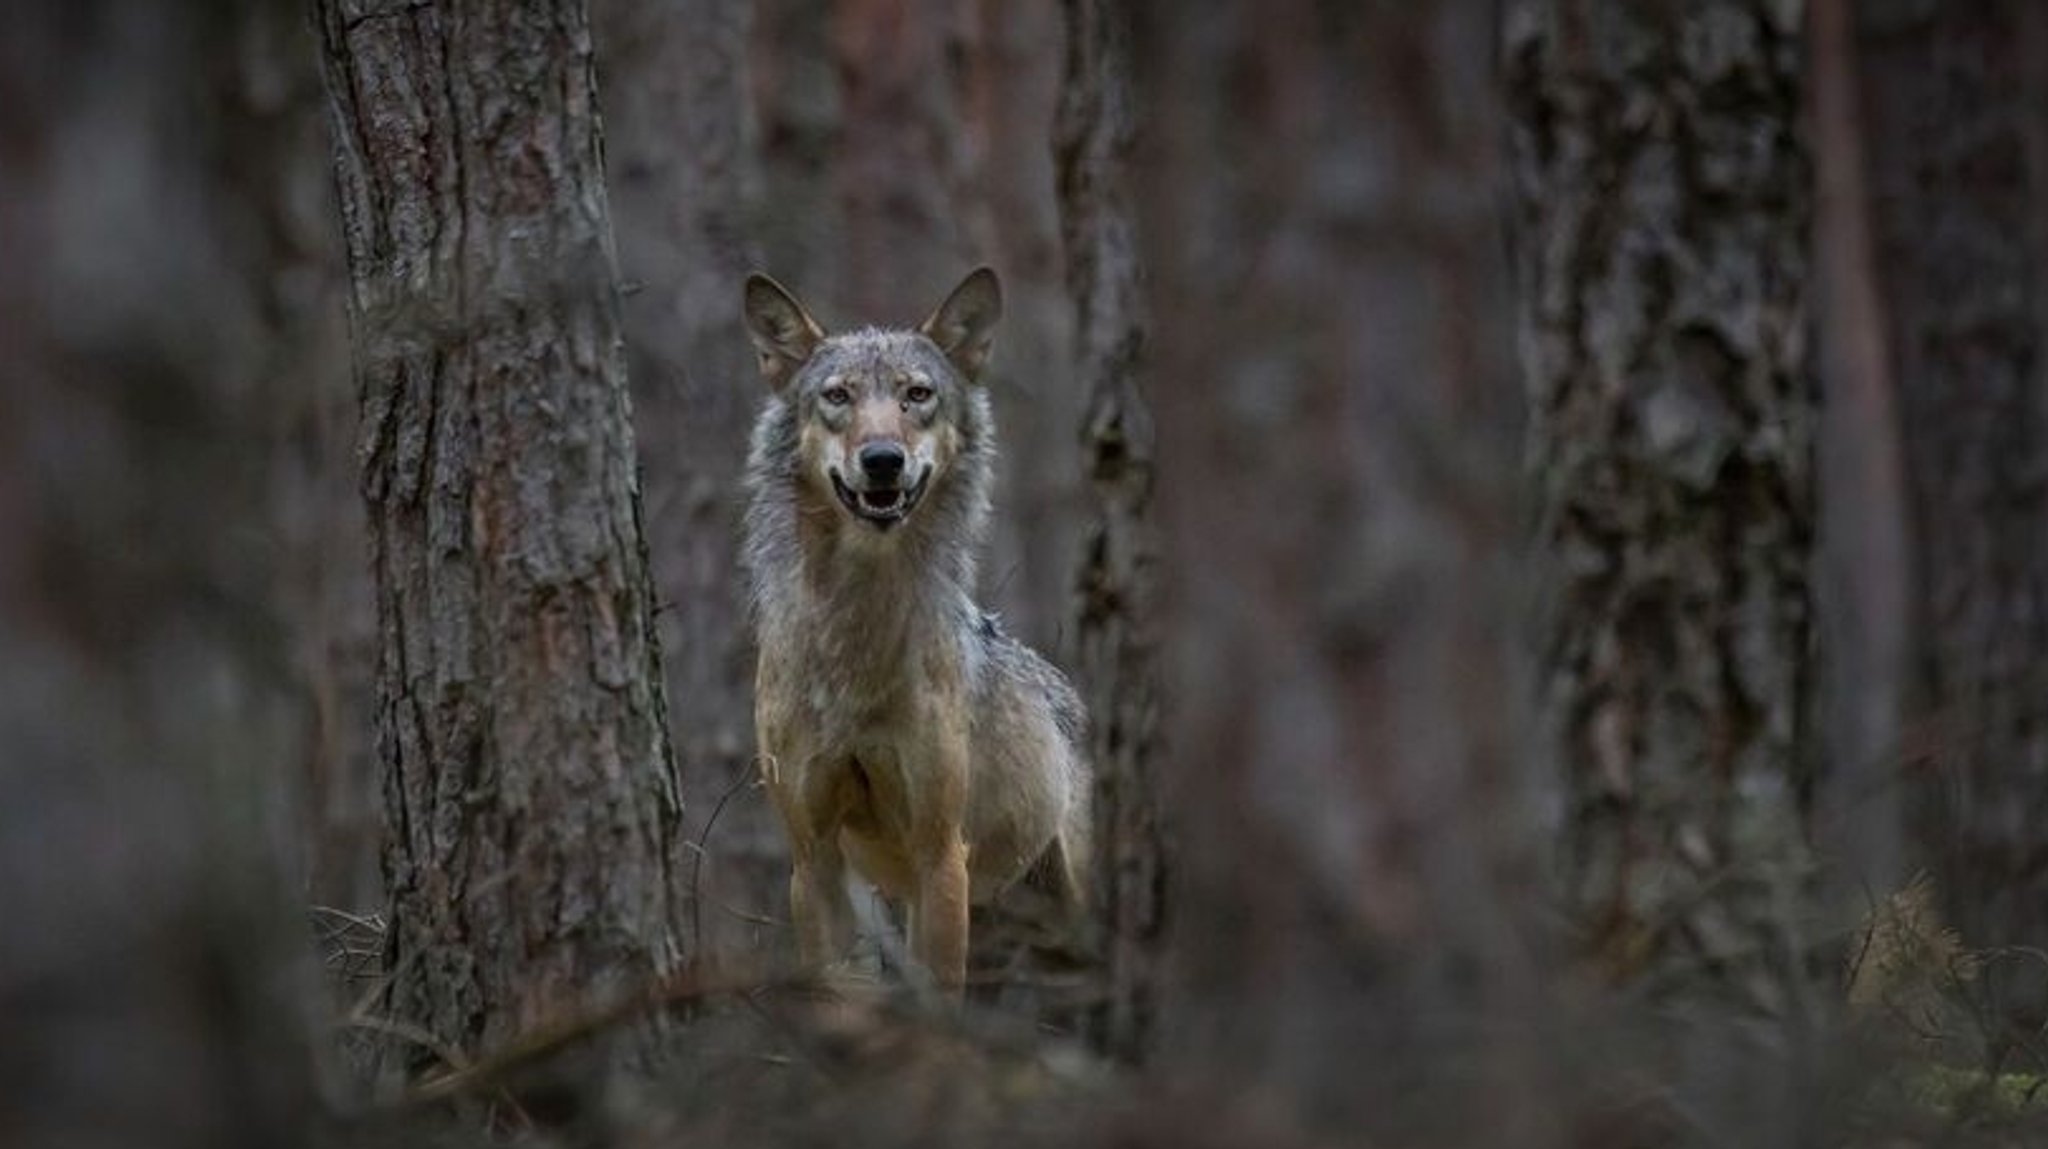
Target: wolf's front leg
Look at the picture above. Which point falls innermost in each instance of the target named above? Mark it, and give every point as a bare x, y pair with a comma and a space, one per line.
819, 903
939, 919
938, 923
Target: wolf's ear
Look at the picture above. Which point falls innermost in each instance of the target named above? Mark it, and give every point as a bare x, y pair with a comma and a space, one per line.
965, 325
783, 332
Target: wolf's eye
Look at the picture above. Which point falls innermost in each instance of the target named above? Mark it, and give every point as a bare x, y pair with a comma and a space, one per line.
836, 396
918, 393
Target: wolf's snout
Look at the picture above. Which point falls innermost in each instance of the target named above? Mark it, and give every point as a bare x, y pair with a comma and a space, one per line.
884, 494
882, 463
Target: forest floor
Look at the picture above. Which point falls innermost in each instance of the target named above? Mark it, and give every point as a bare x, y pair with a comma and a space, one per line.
869, 1061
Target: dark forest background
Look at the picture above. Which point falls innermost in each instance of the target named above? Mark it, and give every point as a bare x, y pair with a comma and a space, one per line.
1547, 501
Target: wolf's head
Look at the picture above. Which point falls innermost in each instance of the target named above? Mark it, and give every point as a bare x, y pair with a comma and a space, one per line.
882, 417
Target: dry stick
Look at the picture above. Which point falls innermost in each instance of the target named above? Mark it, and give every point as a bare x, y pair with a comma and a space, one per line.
1987, 1006
752, 919
699, 847
747, 999
406, 1031
553, 1036
1869, 935
545, 1039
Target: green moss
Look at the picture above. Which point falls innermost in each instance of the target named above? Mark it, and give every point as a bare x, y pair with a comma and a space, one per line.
1972, 1094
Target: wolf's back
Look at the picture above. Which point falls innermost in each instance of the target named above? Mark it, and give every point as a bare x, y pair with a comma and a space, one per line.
1022, 669
1020, 696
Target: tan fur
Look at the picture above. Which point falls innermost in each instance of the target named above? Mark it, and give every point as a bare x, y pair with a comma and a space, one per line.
903, 734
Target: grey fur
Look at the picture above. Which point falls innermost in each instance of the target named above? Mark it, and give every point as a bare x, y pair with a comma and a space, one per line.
939, 542
845, 616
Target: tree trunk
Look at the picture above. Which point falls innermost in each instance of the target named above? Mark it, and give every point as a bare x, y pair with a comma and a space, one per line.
897, 164
1959, 149
529, 786
684, 181
798, 107
145, 723
1661, 239
1864, 571
1009, 87
1118, 603
277, 182
1327, 308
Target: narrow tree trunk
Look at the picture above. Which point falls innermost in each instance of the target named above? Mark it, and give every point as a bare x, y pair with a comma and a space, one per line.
684, 179
1118, 603
1009, 88
1864, 572
1662, 246
529, 786
1960, 168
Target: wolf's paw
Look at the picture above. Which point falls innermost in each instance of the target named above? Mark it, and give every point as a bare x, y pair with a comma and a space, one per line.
852, 974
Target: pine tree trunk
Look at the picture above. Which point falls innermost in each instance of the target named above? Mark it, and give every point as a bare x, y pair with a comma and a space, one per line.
1118, 602
1662, 248
1959, 150
1863, 584
529, 786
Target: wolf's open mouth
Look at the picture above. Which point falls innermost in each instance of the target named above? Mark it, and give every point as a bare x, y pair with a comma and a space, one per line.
882, 506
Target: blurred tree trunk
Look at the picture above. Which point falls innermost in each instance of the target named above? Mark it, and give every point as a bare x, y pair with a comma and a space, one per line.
144, 710
530, 788
798, 109
1008, 86
1958, 113
897, 162
1327, 309
1662, 240
1117, 608
685, 174
277, 182
1864, 572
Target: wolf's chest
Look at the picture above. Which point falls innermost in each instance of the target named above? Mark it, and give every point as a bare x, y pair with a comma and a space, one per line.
848, 685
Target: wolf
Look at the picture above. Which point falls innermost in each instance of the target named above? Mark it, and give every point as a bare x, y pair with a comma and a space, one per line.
901, 732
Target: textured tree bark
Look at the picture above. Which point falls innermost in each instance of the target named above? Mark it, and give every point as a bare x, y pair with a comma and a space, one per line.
1959, 150
529, 786
1118, 604
1662, 248
685, 180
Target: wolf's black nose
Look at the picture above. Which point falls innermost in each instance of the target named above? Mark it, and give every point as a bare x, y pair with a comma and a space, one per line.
881, 462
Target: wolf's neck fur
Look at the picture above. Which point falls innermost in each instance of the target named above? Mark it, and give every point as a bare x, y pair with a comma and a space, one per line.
856, 597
